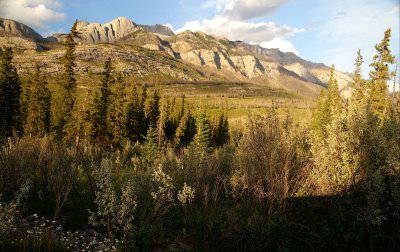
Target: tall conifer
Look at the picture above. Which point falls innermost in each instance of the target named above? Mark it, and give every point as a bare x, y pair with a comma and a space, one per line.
380, 75
64, 115
38, 109
10, 92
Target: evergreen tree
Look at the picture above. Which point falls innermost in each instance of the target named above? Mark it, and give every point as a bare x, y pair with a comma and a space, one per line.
98, 112
202, 139
380, 75
38, 109
358, 81
328, 105
154, 109
186, 129
64, 118
10, 92
161, 123
172, 121
334, 101
220, 130
25, 97
150, 147
116, 111
145, 123
133, 117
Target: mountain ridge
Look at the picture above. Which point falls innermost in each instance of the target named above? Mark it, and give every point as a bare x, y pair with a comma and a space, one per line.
211, 55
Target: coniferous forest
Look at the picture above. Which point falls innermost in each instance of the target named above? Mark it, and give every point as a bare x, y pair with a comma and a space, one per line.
130, 169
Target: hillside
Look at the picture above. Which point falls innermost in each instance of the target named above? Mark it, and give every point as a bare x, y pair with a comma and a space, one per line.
142, 50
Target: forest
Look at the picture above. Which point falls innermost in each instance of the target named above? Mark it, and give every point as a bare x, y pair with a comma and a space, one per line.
129, 169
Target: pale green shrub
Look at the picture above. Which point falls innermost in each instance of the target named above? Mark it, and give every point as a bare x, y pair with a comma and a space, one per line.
115, 211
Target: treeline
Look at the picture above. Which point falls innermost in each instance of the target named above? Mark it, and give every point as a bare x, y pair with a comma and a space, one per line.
115, 114
149, 175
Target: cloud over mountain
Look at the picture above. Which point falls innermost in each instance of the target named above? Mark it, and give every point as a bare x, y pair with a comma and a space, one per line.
35, 13
245, 9
233, 19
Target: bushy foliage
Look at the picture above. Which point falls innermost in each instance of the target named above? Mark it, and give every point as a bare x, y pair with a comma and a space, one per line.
160, 178
114, 209
270, 161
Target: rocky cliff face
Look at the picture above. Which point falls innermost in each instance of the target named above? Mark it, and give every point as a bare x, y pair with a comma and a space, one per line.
106, 33
159, 29
18, 29
162, 51
120, 28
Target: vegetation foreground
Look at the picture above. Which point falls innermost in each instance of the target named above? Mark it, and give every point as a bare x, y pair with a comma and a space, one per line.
144, 172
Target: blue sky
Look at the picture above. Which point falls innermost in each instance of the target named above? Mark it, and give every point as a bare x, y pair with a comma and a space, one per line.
318, 30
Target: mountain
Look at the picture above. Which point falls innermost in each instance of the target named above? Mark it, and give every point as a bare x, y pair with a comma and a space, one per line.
120, 28
19, 36
14, 28
191, 56
159, 29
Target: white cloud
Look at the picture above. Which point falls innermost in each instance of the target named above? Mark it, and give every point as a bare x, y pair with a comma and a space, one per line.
35, 13
283, 45
233, 21
245, 9
241, 30
170, 26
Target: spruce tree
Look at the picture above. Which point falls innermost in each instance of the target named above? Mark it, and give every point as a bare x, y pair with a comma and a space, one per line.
328, 104
220, 130
186, 129
154, 109
116, 112
202, 139
98, 112
150, 147
144, 121
64, 114
172, 120
380, 75
133, 117
25, 96
358, 81
334, 101
38, 109
10, 92
161, 123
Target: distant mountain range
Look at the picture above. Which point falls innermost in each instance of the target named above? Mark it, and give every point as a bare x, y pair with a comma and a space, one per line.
190, 56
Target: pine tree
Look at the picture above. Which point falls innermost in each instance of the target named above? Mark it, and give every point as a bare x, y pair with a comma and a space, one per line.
64, 114
202, 139
186, 129
358, 81
98, 111
220, 130
150, 147
154, 109
379, 76
38, 109
25, 97
10, 92
328, 105
145, 123
172, 120
133, 117
116, 111
161, 123
334, 101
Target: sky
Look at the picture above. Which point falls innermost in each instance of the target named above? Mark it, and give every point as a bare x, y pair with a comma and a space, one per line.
326, 31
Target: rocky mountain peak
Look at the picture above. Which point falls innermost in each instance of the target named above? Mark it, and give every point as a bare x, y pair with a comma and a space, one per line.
81, 24
106, 33
15, 28
159, 29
